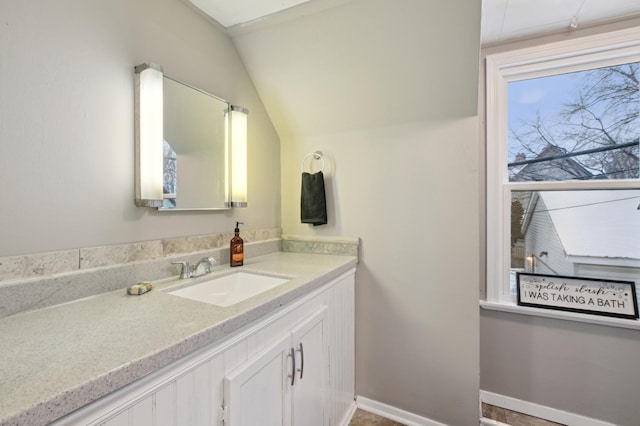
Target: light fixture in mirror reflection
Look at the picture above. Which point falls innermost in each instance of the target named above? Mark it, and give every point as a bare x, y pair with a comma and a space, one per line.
195, 158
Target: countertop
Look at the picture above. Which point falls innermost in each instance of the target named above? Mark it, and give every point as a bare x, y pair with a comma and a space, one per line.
58, 359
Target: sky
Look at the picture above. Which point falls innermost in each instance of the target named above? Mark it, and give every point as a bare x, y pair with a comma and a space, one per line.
545, 94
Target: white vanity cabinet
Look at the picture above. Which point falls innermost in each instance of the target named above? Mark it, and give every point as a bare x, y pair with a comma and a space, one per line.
285, 384
244, 379
308, 386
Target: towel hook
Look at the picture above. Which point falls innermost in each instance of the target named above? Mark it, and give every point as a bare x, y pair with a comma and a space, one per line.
317, 155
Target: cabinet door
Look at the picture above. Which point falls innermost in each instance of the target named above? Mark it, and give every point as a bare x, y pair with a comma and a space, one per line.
192, 389
257, 393
309, 389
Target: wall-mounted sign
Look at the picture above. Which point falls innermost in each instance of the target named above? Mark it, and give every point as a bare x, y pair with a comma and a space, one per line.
575, 294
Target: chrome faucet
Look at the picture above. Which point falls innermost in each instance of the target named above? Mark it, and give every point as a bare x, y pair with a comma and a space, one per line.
187, 272
184, 271
208, 263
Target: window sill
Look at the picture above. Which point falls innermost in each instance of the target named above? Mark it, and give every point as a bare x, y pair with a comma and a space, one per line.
561, 315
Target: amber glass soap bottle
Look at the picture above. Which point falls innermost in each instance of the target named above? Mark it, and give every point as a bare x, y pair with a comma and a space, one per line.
236, 248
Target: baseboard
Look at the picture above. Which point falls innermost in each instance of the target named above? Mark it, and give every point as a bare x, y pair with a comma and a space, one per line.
393, 413
541, 411
347, 418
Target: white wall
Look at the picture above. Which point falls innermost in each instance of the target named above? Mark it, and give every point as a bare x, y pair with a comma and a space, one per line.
66, 121
579, 368
575, 367
387, 91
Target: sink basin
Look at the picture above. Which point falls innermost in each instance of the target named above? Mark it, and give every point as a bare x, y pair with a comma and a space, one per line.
230, 289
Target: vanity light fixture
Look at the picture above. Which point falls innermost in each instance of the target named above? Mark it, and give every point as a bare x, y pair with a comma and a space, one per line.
148, 135
237, 137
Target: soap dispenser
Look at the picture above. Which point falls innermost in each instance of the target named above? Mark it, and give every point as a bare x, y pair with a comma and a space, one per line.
236, 248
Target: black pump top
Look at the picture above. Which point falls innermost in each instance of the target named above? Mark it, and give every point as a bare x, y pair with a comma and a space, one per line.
237, 228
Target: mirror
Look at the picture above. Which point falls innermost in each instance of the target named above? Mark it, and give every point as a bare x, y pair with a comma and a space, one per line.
194, 153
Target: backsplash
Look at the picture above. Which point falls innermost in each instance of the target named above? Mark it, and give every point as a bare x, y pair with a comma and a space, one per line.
342, 246
40, 280
36, 281
58, 262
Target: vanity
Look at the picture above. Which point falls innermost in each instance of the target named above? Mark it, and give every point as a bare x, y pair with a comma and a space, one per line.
77, 349
284, 356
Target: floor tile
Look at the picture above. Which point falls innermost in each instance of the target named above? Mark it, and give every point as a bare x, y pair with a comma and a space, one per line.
494, 413
519, 419
513, 418
508, 417
364, 418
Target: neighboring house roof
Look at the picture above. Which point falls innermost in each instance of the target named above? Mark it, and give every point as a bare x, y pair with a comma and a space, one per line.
550, 170
596, 223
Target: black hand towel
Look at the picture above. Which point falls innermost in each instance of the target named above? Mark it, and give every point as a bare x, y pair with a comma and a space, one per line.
313, 203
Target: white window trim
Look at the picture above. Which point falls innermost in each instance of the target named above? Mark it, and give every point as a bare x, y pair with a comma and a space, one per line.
565, 56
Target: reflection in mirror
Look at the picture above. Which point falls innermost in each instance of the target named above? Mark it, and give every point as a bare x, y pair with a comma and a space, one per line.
169, 174
195, 176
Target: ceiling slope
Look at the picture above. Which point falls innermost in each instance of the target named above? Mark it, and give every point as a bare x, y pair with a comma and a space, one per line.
365, 64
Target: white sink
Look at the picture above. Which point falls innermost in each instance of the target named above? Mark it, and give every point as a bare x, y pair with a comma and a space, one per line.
230, 289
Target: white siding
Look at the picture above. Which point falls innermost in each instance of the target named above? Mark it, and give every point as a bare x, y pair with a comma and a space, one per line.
542, 236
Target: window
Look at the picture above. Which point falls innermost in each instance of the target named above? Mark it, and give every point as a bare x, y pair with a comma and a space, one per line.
563, 168
170, 176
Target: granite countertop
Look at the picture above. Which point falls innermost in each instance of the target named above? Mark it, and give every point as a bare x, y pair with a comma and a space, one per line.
58, 359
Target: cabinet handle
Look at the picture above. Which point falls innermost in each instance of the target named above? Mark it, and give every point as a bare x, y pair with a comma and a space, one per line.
292, 354
301, 369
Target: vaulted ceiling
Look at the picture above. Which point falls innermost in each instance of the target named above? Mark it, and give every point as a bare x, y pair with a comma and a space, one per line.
332, 66
502, 20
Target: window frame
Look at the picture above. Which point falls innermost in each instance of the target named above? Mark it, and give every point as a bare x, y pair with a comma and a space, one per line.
579, 54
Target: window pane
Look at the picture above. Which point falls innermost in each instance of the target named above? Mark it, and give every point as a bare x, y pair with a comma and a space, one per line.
576, 126
592, 233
